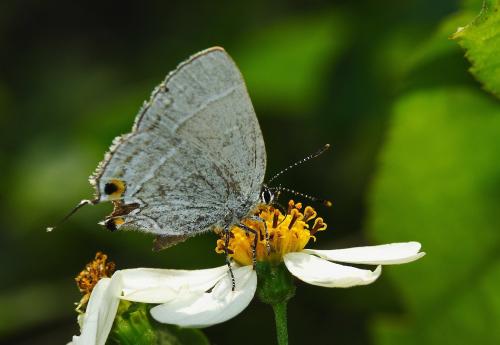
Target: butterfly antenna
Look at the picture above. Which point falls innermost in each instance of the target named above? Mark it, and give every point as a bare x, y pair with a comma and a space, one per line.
325, 202
76, 208
303, 160
282, 210
279, 207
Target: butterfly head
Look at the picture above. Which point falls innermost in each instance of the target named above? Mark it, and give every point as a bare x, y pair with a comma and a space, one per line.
266, 195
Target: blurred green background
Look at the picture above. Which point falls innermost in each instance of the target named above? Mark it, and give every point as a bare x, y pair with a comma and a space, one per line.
416, 142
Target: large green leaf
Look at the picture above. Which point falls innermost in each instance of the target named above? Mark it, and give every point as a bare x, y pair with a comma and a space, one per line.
481, 41
438, 184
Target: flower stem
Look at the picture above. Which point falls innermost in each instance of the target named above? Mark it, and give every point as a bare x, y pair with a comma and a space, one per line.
275, 287
281, 322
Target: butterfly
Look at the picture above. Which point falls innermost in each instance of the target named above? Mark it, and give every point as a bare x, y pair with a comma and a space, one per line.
195, 159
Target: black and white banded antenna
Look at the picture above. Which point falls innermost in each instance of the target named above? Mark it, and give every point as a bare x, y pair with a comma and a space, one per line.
280, 189
303, 160
325, 202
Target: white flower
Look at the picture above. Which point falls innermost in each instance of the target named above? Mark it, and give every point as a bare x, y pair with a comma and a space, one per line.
199, 305
316, 267
98, 318
189, 301
201, 298
184, 289
197, 298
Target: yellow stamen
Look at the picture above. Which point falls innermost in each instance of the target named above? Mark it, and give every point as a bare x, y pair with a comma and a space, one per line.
318, 225
91, 274
295, 215
309, 213
291, 206
287, 233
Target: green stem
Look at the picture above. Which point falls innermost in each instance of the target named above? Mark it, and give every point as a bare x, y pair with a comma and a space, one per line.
275, 287
281, 322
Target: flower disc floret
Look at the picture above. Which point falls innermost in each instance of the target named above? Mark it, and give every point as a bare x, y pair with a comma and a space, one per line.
88, 278
286, 233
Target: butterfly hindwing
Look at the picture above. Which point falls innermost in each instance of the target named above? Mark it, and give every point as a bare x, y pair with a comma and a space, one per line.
194, 158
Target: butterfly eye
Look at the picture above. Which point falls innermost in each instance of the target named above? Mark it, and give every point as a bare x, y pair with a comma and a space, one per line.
266, 196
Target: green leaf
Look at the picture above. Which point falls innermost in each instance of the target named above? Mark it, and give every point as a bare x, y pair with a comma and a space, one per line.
438, 43
134, 326
415, 57
439, 185
481, 41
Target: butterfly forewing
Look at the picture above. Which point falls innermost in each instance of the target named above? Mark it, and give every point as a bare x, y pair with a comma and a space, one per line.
195, 157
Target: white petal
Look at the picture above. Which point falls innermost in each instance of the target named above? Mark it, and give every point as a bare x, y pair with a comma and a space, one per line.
202, 309
108, 308
151, 295
100, 312
316, 271
150, 285
91, 316
386, 254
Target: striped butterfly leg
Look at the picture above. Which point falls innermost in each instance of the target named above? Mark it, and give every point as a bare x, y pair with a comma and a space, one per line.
266, 234
227, 235
255, 241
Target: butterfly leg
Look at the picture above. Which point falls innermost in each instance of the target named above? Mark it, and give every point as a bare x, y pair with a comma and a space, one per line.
227, 235
266, 232
280, 207
255, 241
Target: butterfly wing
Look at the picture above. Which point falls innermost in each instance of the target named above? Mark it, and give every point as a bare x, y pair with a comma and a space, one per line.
205, 101
195, 153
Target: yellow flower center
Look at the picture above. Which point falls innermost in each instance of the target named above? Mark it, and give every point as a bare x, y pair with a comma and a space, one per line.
287, 233
99, 268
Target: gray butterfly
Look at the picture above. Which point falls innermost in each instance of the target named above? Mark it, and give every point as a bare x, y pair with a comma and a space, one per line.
195, 159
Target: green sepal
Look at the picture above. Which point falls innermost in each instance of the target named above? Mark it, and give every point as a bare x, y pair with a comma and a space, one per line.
274, 284
133, 325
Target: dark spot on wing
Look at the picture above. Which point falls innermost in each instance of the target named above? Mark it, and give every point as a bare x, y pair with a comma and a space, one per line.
110, 188
110, 225
114, 189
